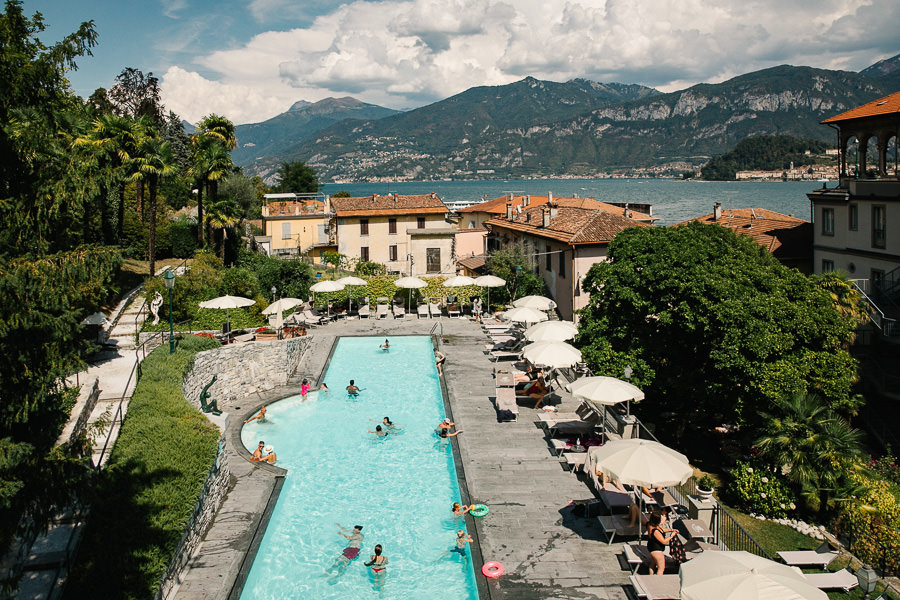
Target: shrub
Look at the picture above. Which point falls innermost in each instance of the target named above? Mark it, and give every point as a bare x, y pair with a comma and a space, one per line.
871, 521
183, 236
886, 468
148, 491
758, 489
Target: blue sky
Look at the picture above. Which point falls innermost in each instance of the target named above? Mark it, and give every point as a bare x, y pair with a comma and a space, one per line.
250, 60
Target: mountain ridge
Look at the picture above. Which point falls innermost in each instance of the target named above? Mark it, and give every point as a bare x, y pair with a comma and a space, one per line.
579, 127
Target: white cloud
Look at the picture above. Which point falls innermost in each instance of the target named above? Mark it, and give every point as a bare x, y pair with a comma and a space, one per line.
403, 53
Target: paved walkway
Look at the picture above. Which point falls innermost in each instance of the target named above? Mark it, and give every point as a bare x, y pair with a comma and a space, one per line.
548, 553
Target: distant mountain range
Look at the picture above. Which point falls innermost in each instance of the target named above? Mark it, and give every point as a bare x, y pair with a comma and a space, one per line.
541, 128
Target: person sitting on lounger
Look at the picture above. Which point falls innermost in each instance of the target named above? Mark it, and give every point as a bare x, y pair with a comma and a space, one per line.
537, 390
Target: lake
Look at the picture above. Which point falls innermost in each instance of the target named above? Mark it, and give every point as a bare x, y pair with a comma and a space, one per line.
673, 200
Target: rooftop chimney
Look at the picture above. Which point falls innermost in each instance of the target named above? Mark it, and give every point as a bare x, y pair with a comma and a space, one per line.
549, 197
627, 211
546, 218
509, 211
717, 211
554, 210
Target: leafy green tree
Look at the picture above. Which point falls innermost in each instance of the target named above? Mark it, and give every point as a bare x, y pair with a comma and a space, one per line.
512, 265
242, 190
291, 278
297, 177
137, 95
813, 446
223, 214
714, 328
335, 259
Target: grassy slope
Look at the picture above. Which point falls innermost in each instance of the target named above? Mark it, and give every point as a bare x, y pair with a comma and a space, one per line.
149, 489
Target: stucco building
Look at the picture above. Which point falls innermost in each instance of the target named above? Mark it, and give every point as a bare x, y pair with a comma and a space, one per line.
563, 238
410, 234
296, 225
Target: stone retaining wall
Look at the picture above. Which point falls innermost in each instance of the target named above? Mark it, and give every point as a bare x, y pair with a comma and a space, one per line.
243, 369
87, 400
217, 484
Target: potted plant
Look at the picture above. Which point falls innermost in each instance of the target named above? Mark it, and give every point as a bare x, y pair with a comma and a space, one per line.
705, 487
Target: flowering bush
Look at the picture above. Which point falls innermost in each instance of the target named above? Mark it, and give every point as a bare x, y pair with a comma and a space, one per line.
206, 335
872, 522
760, 490
887, 468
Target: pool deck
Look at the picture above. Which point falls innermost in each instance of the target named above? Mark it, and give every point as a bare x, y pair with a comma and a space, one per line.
548, 553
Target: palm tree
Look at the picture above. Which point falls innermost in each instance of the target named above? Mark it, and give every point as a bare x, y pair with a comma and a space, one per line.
222, 214
218, 128
156, 163
212, 160
813, 446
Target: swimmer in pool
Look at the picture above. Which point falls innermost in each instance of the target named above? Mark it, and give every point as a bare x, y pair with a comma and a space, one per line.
350, 553
261, 416
378, 564
352, 390
304, 389
460, 510
379, 432
462, 538
386, 346
258, 453
389, 425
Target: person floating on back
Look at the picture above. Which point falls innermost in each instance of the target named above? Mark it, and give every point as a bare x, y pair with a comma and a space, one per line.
350, 553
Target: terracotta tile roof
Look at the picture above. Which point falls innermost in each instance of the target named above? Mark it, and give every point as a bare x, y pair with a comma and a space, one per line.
889, 105
572, 224
473, 263
390, 204
294, 208
497, 206
786, 237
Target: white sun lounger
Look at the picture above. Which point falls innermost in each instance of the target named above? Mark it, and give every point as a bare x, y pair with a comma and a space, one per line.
506, 400
617, 525
422, 311
820, 557
839, 580
656, 587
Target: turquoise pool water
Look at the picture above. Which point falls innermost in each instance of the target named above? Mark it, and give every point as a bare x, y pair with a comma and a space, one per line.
399, 488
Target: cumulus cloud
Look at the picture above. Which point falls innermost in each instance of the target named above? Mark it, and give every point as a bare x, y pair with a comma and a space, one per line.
403, 53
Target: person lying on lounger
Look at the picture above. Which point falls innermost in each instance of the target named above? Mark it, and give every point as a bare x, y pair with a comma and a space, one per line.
537, 390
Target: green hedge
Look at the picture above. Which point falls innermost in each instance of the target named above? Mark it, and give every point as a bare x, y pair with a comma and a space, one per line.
151, 484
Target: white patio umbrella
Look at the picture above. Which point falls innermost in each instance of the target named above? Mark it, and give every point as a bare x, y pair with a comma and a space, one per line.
551, 331
278, 307
410, 283
327, 287
606, 391
642, 462
459, 281
536, 302
351, 280
740, 575
552, 354
525, 315
489, 281
227, 302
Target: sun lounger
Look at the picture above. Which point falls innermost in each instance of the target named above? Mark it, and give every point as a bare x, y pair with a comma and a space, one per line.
839, 580
311, 319
506, 401
382, 311
820, 557
246, 337
661, 498
656, 587
499, 355
363, 311
453, 310
615, 499
575, 460
637, 556
614, 525
422, 311
435, 309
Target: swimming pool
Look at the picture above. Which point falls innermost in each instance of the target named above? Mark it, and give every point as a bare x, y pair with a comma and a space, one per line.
398, 488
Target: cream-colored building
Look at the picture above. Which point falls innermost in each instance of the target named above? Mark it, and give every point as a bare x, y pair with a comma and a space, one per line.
296, 225
409, 234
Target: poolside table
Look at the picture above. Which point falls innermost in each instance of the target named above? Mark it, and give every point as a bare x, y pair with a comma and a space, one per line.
695, 529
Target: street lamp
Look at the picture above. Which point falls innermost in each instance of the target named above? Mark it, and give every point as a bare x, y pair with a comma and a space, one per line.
867, 578
518, 271
169, 278
274, 290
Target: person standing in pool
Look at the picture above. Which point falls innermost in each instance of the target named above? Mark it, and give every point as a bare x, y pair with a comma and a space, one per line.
304, 389
439, 360
386, 346
351, 552
462, 538
352, 390
377, 563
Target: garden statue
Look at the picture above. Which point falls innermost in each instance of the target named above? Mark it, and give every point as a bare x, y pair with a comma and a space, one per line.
154, 307
212, 407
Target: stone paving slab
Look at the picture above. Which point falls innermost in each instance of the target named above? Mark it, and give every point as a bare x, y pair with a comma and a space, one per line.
547, 551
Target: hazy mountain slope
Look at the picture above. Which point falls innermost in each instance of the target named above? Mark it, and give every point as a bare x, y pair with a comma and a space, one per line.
274, 136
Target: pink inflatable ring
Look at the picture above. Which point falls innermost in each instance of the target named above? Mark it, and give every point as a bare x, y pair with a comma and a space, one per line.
492, 569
